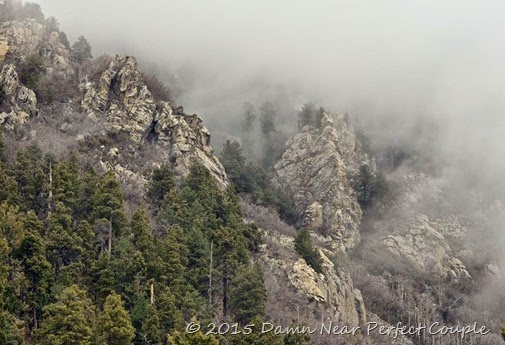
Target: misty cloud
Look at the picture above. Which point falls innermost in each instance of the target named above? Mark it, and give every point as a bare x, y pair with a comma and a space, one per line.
387, 63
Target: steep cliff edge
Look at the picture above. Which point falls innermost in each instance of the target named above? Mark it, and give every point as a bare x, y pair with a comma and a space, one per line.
122, 99
316, 170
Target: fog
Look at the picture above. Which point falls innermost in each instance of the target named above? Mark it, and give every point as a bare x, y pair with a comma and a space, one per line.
388, 63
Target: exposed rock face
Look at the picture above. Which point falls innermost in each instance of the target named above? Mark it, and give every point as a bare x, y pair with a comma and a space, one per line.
425, 248
315, 169
27, 37
331, 291
123, 100
19, 102
4, 48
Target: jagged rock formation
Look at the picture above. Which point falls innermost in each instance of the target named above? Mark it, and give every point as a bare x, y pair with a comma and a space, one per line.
316, 170
419, 244
19, 39
19, 102
331, 291
122, 99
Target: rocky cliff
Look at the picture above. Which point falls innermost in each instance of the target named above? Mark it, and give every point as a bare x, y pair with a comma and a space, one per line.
20, 39
316, 170
19, 102
329, 293
121, 98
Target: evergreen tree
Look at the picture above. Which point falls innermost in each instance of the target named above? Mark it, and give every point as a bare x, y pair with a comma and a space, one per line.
11, 329
267, 119
197, 338
235, 166
31, 71
31, 179
64, 40
63, 247
113, 326
307, 115
230, 254
304, 247
151, 329
319, 116
87, 192
232, 158
37, 274
248, 295
172, 257
161, 183
169, 314
69, 320
81, 50
66, 183
108, 207
141, 231
370, 187
249, 117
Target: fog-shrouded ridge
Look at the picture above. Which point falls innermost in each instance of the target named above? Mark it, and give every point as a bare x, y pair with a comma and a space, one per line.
389, 63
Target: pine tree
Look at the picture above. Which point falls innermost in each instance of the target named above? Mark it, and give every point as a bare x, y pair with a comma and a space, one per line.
113, 326
169, 314
304, 247
108, 207
66, 184
128, 265
249, 117
161, 184
267, 119
37, 273
69, 320
141, 231
235, 166
87, 192
151, 328
63, 245
307, 115
230, 254
31, 179
503, 333
81, 50
248, 295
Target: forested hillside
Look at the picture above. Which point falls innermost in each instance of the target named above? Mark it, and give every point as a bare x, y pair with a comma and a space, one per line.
120, 224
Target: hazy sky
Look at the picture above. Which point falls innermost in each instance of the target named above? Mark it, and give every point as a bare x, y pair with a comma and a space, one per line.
444, 59
371, 50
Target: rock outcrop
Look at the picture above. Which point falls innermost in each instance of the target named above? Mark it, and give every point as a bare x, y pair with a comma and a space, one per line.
121, 98
419, 244
20, 39
331, 291
19, 103
316, 170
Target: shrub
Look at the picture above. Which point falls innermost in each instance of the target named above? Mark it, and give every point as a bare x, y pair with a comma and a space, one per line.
370, 187
159, 90
31, 71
